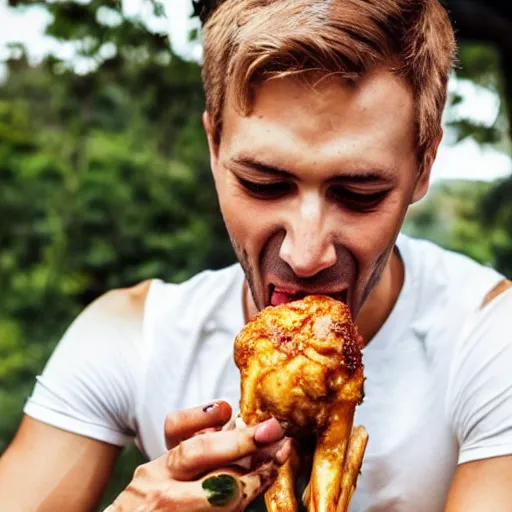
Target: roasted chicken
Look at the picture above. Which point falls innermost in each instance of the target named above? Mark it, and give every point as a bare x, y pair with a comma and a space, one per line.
301, 363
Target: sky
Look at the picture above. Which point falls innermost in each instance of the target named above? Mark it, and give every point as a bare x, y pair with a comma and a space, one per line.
464, 160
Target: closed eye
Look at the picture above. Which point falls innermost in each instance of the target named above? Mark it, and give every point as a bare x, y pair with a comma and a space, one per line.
357, 201
266, 190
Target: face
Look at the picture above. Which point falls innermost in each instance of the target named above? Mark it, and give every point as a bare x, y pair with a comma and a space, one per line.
314, 184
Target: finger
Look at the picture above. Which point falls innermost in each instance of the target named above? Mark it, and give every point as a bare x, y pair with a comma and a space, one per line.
200, 454
280, 452
207, 431
268, 432
267, 429
257, 482
223, 491
230, 425
184, 424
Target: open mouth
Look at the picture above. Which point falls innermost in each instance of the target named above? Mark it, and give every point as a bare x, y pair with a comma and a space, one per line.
278, 295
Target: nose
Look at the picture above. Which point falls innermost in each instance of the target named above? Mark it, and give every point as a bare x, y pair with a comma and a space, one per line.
308, 246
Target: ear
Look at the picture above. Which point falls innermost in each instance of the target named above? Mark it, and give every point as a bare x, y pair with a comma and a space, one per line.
423, 179
210, 135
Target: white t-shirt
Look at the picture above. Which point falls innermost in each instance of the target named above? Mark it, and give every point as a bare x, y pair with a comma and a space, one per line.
438, 388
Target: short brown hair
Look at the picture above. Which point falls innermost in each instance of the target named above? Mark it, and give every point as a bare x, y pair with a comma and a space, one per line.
249, 41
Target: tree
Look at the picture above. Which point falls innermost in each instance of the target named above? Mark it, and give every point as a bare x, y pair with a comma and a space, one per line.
487, 22
78, 151
484, 29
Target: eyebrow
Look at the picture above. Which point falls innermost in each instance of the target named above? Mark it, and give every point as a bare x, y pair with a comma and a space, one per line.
356, 176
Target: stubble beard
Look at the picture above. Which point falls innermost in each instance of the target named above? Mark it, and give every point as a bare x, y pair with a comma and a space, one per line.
377, 273
249, 271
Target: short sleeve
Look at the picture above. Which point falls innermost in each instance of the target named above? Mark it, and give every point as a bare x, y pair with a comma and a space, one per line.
91, 382
479, 399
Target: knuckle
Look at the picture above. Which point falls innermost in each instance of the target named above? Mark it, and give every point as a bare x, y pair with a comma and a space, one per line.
164, 500
157, 498
178, 425
173, 458
141, 472
185, 457
202, 443
195, 450
244, 444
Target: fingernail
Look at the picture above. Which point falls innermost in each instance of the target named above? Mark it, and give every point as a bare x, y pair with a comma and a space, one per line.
210, 407
220, 489
284, 452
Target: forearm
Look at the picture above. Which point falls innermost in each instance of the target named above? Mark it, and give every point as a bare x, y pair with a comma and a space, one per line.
482, 486
46, 469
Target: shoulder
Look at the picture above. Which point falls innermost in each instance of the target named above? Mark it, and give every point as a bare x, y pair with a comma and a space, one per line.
429, 256
90, 384
444, 292
122, 303
112, 324
480, 395
115, 314
503, 286
493, 317
131, 313
132, 298
194, 299
486, 332
445, 278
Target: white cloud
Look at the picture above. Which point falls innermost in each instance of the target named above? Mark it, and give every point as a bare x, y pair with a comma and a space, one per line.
180, 24
467, 159
24, 26
470, 161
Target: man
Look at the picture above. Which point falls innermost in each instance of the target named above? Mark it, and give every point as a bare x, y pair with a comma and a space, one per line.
323, 119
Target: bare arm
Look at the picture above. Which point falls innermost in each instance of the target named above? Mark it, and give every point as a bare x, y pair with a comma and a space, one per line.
484, 485
46, 469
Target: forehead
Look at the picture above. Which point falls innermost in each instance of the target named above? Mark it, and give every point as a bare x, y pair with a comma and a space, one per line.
372, 118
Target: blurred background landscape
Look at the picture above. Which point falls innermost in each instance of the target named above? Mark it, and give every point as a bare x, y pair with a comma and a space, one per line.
104, 172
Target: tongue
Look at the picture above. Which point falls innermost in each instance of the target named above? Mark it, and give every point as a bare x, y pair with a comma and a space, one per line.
280, 298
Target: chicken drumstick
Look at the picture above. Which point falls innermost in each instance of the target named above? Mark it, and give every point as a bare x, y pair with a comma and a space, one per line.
301, 363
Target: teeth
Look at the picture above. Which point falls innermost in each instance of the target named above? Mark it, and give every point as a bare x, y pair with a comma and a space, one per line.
293, 295
287, 292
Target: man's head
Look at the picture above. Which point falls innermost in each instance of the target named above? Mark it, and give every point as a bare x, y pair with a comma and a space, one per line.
323, 119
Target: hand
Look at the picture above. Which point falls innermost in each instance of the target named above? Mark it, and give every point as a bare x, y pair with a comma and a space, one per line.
200, 472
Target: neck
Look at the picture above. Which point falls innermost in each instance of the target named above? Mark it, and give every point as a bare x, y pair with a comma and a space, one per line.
382, 299
375, 310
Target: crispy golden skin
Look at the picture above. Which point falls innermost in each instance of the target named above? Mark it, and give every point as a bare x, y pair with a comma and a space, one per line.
302, 364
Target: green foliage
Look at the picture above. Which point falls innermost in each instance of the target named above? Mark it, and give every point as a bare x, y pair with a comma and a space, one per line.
105, 182
497, 216
459, 215
481, 64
